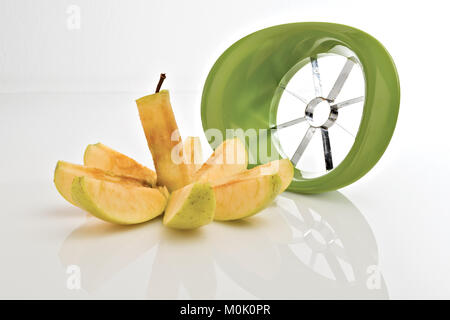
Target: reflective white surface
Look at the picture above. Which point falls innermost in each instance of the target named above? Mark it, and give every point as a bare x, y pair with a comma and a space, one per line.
295, 249
385, 236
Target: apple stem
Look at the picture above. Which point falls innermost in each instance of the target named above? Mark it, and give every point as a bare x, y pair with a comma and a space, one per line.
161, 80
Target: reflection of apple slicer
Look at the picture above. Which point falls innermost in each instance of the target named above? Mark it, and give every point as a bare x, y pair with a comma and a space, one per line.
319, 246
312, 247
327, 95
323, 241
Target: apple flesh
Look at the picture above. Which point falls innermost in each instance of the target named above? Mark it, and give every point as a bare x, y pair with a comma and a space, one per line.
192, 153
65, 172
164, 140
228, 159
117, 203
100, 156
243, 197
282, 167
190, 207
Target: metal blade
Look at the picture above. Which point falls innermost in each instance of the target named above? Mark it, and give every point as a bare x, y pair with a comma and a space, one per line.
337, 87
289, 123
302, 146
295, 95
327, 149
345, 130
316, 77
347, 102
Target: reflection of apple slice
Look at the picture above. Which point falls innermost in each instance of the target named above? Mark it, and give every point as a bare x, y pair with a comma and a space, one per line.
259, 256
101, 249
283, 168
65, 172
192, 153
164, 140
239, 198
183, 260
190, 207
100, 156
117, 203
229, 158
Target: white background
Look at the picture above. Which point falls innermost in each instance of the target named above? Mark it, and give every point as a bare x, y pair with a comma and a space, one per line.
61, 89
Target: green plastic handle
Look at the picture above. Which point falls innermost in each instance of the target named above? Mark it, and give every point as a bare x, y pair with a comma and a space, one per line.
243, 90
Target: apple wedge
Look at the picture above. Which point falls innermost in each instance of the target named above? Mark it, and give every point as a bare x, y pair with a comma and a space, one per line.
243, 197
164, 191
228, 159
164, 140
103, 157
192, 153
65, 172
282, 167
190, 207
116, 202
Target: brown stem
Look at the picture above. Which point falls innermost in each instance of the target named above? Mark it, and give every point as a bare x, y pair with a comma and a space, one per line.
161, 80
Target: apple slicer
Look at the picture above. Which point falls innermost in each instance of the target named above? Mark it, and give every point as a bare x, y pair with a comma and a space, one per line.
324, 95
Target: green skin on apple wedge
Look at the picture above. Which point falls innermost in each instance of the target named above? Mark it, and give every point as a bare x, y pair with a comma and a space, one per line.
241, 198
117, 203
190, 207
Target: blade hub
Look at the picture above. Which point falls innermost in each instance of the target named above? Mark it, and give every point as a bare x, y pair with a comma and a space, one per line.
320, 113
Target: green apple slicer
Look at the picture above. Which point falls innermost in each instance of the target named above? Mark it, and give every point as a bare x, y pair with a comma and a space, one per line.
327, 95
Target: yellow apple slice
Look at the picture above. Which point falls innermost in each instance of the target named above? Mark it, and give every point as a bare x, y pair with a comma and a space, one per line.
228, 159
100, 156
190, 207
116, 202
65, 172
164, 191
164, 140
282, 167
241, 198
192, 153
